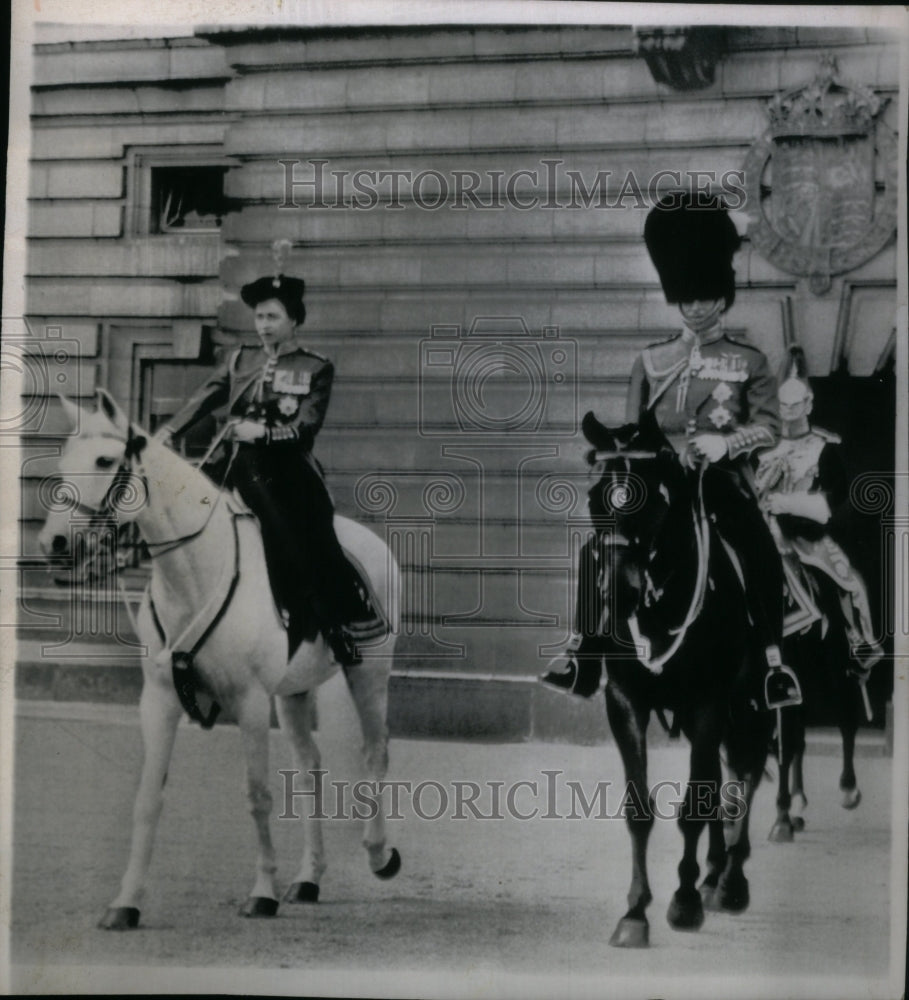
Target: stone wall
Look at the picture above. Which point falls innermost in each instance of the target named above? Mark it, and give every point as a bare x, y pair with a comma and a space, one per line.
466, 489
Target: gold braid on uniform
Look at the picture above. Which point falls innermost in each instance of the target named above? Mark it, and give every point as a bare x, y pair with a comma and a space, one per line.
283, 432
744, 440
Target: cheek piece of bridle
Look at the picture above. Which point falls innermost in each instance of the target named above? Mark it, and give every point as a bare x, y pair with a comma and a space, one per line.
109, 506
702, 538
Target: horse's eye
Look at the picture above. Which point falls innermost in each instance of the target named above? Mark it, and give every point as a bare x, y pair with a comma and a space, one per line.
103, 462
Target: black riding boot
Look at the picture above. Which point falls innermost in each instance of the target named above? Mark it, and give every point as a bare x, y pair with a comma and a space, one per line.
582, 662
741, 524
302, 553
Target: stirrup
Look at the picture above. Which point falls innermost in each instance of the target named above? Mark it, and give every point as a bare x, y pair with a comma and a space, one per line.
781, 688
577, 678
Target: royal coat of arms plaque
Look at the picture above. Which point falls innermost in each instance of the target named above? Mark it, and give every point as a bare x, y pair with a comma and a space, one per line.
822, 180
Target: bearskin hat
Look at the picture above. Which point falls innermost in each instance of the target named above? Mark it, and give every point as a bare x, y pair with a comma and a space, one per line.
691, 241
288, 291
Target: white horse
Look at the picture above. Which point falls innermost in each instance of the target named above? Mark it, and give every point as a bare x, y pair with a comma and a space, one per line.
209, 588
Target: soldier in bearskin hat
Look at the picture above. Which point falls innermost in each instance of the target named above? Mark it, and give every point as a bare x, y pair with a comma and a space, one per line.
714, 397
277, 395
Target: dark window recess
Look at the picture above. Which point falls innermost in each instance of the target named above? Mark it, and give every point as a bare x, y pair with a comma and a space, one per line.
187, 199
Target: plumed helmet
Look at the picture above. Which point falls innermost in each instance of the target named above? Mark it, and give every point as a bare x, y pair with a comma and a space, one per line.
794, 374
288, 291
691, 241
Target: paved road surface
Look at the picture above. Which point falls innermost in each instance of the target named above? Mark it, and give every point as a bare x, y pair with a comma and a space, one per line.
476, 900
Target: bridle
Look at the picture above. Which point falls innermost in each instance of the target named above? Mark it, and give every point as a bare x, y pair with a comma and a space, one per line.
129, 469
616, 539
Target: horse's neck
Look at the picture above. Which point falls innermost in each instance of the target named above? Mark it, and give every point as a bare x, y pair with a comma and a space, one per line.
182, 505
673, 567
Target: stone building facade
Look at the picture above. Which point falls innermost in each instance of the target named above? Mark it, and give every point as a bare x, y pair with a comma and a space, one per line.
490, 285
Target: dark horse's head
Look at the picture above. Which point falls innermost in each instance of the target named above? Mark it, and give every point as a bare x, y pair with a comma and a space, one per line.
637, 483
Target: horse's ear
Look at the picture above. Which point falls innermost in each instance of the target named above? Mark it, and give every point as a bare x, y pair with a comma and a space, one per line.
108, 406
71, 409
596, 433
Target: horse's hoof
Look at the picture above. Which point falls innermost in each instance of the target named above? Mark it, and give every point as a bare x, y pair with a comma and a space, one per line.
798, 823
631, 933
733, 895
119, 918
710, 897
259, 906
686, 911
391, 867
851, 798
782, 832
302, 892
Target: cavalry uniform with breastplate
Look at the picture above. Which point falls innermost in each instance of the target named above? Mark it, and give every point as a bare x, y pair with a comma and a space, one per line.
810, 465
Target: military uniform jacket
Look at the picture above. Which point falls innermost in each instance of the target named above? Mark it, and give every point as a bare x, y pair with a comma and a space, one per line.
720, 385
288, 392
810, 463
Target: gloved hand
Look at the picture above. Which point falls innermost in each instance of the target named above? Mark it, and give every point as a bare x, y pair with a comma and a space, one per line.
246, 431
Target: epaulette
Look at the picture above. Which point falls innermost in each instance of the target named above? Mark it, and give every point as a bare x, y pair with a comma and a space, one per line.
741, 340
666, 340
828, 436
314, 354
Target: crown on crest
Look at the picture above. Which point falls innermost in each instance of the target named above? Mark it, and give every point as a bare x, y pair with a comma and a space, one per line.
826, 107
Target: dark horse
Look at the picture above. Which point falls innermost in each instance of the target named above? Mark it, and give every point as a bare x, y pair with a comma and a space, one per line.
822, 660
666, 576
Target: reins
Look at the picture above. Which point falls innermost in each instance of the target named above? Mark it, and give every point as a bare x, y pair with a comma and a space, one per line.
126, 471
701, 527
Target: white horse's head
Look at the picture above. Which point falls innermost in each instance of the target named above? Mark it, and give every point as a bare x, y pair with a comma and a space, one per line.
95, 479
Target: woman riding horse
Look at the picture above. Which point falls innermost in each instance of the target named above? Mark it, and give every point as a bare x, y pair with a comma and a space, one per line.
278, 395
714, 397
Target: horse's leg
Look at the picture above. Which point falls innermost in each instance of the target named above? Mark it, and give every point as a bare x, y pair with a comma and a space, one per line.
716, 862
254, 718
746, 744
791, 722
848, 705
628, 722
798, 799
368, 684
159, 713
295, 713
701, 805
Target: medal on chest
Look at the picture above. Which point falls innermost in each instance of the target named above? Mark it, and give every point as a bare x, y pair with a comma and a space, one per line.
720, 416
293, 383
289, 405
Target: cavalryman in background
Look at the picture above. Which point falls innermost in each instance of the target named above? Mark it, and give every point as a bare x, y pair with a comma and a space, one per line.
714, 397
803, 487
277, 396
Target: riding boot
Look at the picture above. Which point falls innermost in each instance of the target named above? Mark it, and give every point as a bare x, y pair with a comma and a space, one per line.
742, 525
582, 661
